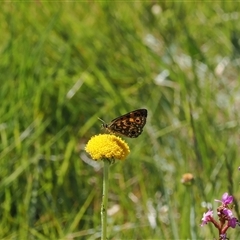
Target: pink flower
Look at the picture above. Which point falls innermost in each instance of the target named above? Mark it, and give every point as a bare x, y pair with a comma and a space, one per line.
227, 212
207, 217
223, 236
232, 222
226, 199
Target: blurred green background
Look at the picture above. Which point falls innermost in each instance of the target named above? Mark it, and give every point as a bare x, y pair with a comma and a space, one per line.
64, 64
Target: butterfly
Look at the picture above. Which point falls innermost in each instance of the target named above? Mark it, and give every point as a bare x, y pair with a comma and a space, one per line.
130, 124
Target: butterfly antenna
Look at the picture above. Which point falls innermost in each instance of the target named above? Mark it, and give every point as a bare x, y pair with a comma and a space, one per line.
104, 125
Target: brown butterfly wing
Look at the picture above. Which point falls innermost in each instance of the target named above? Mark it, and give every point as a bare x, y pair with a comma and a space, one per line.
130, 124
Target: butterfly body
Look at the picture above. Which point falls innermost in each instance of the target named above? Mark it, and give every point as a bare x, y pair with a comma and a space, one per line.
130, 124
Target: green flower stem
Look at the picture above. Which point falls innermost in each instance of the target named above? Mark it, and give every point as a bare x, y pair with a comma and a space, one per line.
105, 200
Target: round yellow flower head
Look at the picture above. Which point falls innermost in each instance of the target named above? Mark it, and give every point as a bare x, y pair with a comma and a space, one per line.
107, 146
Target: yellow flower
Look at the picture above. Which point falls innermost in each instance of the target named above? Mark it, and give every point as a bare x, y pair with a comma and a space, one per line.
107, 146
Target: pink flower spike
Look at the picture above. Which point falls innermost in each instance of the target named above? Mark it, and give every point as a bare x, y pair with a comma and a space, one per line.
207, 217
